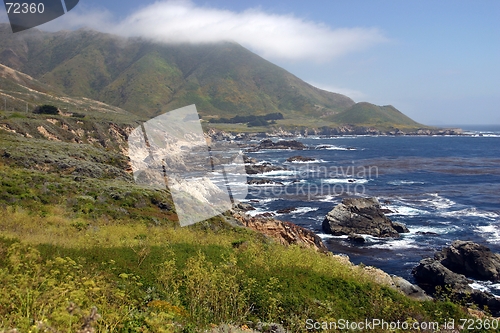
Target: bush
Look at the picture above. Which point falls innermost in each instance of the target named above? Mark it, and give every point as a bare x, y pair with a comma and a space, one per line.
46, 109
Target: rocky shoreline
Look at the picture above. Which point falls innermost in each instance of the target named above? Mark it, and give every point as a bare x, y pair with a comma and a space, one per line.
346, 130
287, 233
451, 271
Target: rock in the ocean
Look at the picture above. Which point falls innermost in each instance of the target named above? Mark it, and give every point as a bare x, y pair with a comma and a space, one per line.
253, 169
281, 144
249, 160
287, 210
356, 238
361, 216
299, 158
454, 265
400, 227
430, 273
471, 259
262, 181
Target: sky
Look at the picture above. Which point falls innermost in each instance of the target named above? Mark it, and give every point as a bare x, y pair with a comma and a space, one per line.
436, 61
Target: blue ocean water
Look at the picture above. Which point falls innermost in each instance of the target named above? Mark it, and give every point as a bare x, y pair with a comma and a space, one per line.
443, 188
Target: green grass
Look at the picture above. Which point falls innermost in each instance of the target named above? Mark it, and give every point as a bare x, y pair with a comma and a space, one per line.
192, 277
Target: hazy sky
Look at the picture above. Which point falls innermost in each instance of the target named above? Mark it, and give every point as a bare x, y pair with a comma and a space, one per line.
436, 61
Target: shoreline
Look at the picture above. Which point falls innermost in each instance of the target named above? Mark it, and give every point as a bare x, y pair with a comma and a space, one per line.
221, 135
290, 144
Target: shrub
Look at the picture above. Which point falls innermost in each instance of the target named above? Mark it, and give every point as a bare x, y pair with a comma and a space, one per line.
46, 109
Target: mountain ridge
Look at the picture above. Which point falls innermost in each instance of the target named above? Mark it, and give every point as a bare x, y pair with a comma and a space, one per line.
147, 79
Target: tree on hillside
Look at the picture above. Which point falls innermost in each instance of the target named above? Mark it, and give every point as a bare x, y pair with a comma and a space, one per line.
46, 109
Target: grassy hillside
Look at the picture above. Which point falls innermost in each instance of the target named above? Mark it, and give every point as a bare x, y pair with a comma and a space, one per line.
366, 114
146, 78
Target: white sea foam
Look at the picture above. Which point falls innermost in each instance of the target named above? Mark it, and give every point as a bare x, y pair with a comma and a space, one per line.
272, 184
404, 182
275, 173
257, 211
401, 243
471, 212
307, 162
333, 147
303, 210
484, 135
326, 236
404, 210
439, 202
267, 200
438, 229
493, 288
490, 232
478, 286
260, 201
295, 182
329, 198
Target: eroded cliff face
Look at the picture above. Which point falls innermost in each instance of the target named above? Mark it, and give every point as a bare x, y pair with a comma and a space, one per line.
285, 233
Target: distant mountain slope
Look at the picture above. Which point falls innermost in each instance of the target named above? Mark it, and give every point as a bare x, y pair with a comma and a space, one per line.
369, 114
147, 78
20, 92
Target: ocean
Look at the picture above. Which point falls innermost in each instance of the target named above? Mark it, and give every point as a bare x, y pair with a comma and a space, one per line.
443, 188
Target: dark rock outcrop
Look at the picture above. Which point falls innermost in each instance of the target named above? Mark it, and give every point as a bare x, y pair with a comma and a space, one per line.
249, 160
281, 144
299, 158
452, 268
244, 207
430, 273
262, 181
471, 259
287, 210
261, 168
400, 227
361, 216
253, 169
356, 238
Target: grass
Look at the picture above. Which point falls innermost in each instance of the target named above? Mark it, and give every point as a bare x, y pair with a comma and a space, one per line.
188, 278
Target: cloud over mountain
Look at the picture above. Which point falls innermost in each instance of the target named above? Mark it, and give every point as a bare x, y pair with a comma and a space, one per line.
272, 36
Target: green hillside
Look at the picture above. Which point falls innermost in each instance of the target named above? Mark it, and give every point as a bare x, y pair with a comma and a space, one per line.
145, 78
367, 114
